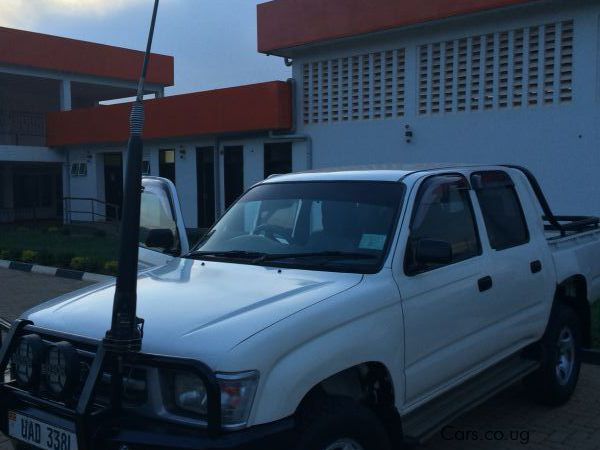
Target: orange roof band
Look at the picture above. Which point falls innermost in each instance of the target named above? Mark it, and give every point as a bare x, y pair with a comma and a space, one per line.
252, 108
283, 24
42, 51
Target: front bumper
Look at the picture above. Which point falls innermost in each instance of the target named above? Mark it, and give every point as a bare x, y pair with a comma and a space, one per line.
111, 432
106, 429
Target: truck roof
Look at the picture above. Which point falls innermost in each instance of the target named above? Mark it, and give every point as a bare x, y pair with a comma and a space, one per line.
382, 172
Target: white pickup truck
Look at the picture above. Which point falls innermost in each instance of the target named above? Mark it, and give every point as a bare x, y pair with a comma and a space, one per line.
340, 310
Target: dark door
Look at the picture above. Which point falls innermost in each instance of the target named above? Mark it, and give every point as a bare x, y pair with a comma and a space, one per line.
166, 168
113, 184
278, 158
234, 173
205, 174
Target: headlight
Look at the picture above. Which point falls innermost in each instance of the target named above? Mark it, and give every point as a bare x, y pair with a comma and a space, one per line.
26, 361
237, 394
62, 369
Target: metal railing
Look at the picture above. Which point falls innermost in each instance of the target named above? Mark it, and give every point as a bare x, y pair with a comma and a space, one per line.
22, 128
93, 212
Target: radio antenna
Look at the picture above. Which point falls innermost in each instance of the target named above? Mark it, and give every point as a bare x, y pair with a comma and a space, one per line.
126, 332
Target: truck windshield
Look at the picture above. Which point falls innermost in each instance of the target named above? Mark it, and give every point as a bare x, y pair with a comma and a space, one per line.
334, 226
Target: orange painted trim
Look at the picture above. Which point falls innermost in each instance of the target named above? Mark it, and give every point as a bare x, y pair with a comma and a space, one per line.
42, 51
284, 24
252, 108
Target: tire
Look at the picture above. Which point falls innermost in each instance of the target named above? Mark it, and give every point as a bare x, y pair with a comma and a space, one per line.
339, 423
555, 381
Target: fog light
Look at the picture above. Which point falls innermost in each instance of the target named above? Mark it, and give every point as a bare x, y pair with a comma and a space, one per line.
62, 369
26, 361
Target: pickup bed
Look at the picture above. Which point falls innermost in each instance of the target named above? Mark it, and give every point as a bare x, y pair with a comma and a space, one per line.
351, 309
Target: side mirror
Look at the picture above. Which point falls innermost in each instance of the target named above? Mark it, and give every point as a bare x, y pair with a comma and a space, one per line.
431, 251
160, 238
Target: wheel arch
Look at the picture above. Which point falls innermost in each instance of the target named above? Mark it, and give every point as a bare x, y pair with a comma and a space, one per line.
573, 292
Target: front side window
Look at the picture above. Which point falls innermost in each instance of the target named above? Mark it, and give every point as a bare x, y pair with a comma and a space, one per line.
337, 226
443, 229
501, 209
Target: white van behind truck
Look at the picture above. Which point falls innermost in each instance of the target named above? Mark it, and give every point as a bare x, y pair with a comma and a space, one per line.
336, 310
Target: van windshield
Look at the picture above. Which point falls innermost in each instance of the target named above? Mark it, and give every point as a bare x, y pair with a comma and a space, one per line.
333, 226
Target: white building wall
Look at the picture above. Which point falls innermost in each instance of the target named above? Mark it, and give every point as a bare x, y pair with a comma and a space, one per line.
558, 142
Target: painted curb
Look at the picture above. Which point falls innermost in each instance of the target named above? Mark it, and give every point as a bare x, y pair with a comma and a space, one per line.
54, 272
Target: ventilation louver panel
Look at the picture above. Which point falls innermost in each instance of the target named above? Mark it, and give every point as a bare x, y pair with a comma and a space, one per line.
530, 66
400, 82
306, 93
566, 62
361, 87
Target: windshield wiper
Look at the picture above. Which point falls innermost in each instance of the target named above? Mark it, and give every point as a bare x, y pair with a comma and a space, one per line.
234, 254
316, 255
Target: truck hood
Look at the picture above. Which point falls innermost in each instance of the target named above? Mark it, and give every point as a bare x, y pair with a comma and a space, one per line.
196, 309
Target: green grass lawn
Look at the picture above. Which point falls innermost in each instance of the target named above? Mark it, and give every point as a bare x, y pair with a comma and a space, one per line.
596, 325
74, 247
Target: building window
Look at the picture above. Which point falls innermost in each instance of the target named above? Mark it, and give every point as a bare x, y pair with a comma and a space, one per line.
166, 168
234, 173
525, 67
361, 87
79, 169
278, 159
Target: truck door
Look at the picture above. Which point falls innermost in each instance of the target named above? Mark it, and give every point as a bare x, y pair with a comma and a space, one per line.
162, 230
519, 260
444, 287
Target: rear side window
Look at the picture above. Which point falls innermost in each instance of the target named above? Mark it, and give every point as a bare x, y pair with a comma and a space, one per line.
443, 212
501, 208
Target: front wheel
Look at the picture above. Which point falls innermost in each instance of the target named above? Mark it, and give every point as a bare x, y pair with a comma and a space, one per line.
555, 381
339, 423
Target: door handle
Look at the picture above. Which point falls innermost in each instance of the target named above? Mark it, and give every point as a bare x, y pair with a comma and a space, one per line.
536, 266
485, 284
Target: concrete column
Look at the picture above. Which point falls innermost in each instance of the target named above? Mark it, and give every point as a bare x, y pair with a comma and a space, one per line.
65, 95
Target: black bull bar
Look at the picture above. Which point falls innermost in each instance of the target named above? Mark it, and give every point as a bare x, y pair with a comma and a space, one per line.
93, 424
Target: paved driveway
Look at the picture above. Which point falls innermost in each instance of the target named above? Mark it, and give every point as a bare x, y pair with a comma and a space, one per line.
20, 291
508, 421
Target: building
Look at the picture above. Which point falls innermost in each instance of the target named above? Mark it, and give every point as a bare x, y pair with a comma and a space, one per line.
481, 81
40, 74
378, 81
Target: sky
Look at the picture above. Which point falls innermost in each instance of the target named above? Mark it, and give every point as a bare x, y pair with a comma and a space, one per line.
213, 41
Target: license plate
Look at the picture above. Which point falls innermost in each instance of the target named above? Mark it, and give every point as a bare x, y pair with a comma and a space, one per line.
40, 434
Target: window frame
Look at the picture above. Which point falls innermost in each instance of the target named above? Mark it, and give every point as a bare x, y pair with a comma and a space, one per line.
411, 273
511, 184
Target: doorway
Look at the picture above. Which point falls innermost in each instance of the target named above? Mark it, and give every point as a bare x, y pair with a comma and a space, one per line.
166, 168
233, 167
113, 184
205, 174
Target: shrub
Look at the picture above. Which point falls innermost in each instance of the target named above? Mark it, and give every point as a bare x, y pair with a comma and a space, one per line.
14, 254
66, 231
100, 233
111, 267
53, 229
5, 254
46, 258
78, 263
84, 264
64, 259
29, 256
